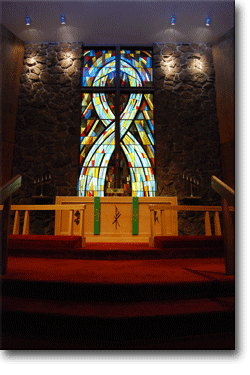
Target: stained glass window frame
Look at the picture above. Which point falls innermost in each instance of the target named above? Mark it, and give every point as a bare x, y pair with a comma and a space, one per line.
118, 90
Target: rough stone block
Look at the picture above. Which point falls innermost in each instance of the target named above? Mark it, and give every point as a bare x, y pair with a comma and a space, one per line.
66, 63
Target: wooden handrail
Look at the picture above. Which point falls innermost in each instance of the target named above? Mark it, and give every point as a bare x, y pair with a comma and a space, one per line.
10, 187
5, 199
224, 190
228, 198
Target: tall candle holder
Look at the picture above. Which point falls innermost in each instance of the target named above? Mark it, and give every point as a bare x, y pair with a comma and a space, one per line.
194, 188
42, 180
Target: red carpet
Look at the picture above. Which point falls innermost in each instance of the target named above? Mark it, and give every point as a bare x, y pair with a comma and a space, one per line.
116, 304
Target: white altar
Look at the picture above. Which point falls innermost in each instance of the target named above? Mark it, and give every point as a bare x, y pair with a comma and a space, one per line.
115, 218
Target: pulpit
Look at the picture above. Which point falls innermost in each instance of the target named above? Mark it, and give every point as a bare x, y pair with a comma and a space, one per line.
117, 219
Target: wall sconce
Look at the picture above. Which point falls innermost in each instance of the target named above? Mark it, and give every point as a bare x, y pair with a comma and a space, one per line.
27, 20
208, 21
63, 19
172, 20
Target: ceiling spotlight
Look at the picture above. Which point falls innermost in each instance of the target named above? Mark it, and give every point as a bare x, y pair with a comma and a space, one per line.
63, 19
173, 20
208, 21
27, 20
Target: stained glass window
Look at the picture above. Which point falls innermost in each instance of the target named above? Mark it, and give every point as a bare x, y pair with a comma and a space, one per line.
117, 123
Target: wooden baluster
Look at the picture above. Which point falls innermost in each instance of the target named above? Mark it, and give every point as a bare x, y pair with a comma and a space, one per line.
152, 230
82, 227
16, 223
217, 227
26, 223
71, 217
208, 231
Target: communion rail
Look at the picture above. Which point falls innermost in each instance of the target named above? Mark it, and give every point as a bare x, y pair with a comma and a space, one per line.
51, 207
167, 207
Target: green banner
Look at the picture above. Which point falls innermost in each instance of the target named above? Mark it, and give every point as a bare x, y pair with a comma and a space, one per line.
135, 215
97, 215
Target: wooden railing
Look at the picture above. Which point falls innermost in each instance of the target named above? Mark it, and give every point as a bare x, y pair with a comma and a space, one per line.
52, 207
228, 198
5, 200
167, 207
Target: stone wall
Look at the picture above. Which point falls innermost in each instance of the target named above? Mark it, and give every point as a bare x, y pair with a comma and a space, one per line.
186, 128
47, 129
187, 137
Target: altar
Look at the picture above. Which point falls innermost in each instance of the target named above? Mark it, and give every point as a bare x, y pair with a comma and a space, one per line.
117, 219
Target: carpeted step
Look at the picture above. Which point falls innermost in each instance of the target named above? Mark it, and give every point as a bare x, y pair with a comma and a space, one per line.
69, 247
189, 242
117, 292
116, 323
117, 254
90, 304
43, 242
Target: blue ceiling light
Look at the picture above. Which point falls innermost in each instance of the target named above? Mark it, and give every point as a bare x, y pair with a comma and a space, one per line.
27, 20
173, 20
208, 21
63, 19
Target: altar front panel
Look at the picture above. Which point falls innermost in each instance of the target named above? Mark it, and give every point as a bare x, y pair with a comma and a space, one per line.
116, 218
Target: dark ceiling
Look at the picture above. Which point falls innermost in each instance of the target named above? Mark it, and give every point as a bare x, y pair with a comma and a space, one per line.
119, 21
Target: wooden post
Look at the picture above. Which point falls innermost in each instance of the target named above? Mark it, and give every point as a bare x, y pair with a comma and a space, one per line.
26, 224
16, 222
4, 229
5, 198
228, 198
228, 231
217, 227
208, 231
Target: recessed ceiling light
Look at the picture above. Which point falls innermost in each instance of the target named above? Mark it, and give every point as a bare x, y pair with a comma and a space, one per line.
27, 20
63, 19
208, 21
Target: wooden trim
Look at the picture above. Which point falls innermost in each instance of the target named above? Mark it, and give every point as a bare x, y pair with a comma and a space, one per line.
166, 206
50, 207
